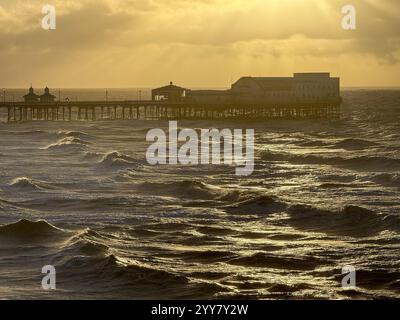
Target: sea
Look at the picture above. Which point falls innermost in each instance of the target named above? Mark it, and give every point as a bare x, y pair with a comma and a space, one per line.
324, 196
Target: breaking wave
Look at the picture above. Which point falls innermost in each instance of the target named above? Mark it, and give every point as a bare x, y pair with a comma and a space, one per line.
75, 134
115, 159
68, 143
24, 183
86, 243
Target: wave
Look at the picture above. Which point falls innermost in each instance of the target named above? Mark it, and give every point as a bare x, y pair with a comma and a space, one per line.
75, 134
115, 159
132, 279
350, 221
274, 261
89, 248
68, 143
191, 189
354, 144
361, 162
385, 179
86, 243
29, 229
28, 184
24, 183
258, 204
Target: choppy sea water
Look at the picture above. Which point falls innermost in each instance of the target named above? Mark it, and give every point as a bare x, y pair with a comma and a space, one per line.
81, 196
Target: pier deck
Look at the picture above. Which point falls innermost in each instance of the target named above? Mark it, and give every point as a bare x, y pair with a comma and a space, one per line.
164, 110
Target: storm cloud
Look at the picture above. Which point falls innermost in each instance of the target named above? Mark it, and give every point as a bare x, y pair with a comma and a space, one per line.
124, 43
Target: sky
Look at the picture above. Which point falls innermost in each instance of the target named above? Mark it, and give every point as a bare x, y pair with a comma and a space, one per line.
195, 43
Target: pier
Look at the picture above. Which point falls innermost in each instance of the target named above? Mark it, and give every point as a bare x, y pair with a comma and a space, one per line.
164, 110
303, 96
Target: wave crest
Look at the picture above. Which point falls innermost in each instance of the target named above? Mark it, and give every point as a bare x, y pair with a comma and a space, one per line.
191, 189
68, 143
136, 279
259, 204
75, 134
117, 159
24, 183
27, 229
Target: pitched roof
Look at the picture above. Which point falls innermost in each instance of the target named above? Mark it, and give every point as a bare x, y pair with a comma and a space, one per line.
170, 87
31, 94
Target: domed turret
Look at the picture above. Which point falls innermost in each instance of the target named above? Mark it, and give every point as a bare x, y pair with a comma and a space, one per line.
31, 96
47, 97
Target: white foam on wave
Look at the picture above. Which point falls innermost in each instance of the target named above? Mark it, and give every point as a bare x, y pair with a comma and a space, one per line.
24, 183
117, 159
68, 143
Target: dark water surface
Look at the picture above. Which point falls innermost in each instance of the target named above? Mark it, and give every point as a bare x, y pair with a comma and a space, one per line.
323, 195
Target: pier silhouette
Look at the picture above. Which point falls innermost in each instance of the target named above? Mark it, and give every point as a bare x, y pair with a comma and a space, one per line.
165, 110
303, 96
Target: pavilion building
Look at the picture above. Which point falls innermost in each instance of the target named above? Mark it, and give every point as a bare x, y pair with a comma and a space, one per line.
47, 97
31, 97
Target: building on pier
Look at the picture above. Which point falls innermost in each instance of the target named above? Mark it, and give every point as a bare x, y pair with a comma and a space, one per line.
47, 97
207, 96
31, 97
171, 93
299, 89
